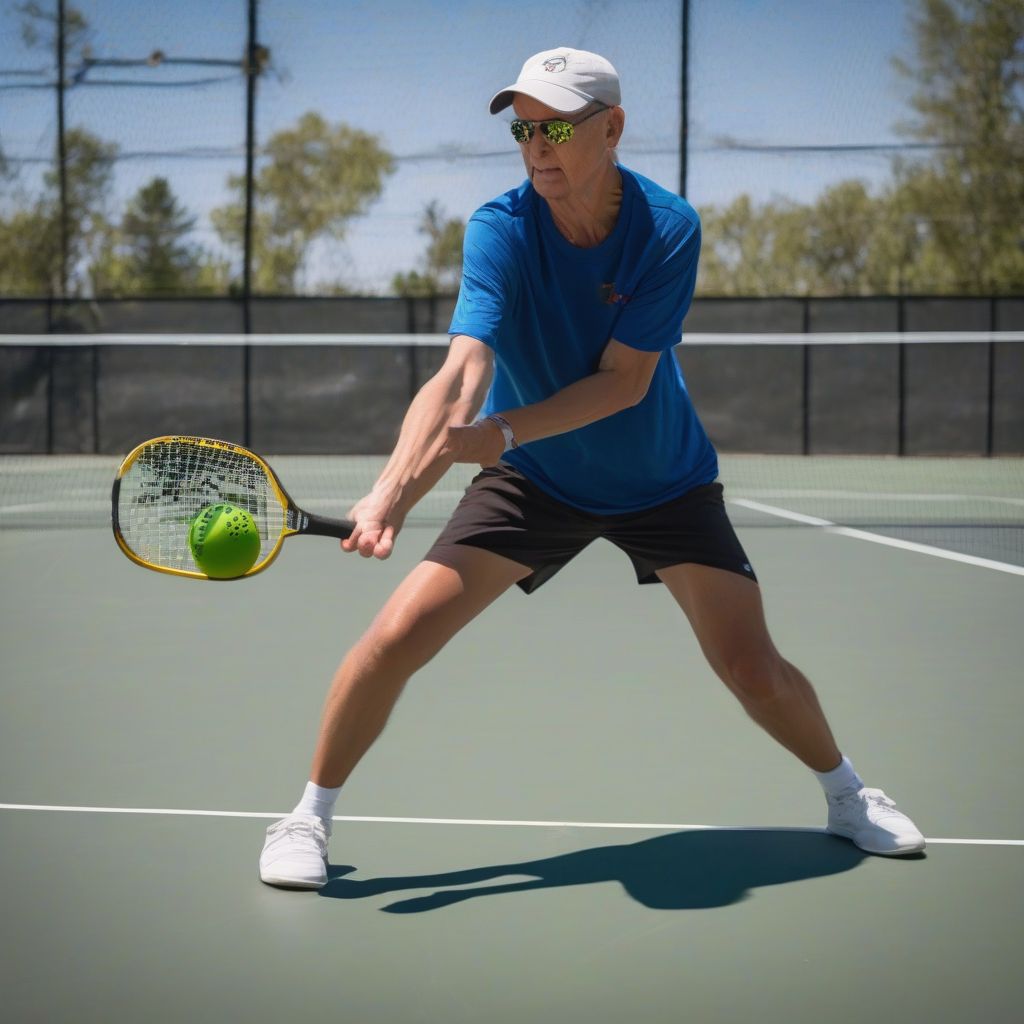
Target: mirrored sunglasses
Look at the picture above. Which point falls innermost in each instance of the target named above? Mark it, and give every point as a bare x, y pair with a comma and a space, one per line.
556, 131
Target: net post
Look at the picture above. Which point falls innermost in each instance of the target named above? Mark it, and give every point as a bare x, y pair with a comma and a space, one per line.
901, 380
990, 410
805, 382
50, 371
49, 399
247, 395
95, 351
413, 371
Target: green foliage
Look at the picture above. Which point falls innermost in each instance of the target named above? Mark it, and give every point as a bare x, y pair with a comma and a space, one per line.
846, 243
315, 178
414, 285
147, 254
89, 167
29, 252
30, 237
949, 223
969, 96
443, 259
39, 26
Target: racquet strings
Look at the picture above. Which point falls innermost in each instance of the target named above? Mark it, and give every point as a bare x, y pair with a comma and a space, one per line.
172, 481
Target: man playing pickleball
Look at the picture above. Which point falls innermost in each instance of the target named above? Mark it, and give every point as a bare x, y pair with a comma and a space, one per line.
575, 287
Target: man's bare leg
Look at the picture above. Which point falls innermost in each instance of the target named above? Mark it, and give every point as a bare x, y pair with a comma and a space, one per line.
728, 619
727, 616
429, 607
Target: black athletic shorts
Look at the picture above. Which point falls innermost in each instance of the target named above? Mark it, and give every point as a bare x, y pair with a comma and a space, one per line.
503, 512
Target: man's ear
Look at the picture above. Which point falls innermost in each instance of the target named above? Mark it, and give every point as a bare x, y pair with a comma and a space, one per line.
616, 125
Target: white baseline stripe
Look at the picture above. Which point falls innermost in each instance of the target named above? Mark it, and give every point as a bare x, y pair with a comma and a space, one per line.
643, 826
877, 538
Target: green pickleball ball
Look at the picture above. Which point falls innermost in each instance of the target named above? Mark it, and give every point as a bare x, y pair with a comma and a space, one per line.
224, 541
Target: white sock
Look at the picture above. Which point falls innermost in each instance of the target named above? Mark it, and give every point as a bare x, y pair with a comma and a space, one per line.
840, 780
318, 801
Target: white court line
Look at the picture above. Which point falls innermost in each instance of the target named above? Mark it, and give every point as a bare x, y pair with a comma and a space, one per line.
891, 496
642, 826
877, 538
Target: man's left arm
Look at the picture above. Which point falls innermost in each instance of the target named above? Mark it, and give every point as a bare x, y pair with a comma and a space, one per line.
622, 379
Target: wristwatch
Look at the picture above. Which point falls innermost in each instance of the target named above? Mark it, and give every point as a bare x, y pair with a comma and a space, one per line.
506, 429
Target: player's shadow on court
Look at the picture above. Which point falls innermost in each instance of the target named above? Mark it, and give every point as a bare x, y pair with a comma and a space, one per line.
680, 871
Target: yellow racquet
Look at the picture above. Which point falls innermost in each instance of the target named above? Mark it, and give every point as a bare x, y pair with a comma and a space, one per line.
165, 483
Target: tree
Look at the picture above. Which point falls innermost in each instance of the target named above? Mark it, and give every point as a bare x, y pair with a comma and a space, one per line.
754, 250
148, 253
949, 222
30, 238
39, 26
843, 225
154, 226
316, 177
29, 252
443, 261
969, 100
89, 171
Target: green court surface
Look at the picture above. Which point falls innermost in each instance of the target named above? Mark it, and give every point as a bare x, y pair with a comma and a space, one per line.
531, 745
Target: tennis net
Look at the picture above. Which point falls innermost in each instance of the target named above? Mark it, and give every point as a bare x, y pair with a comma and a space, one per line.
810, 427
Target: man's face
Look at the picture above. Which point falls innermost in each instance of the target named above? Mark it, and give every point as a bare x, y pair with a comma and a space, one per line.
561, 171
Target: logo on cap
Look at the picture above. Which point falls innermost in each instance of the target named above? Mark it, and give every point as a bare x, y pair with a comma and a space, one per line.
554, 64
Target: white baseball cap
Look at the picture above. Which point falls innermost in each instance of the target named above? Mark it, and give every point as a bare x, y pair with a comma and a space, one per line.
565, 80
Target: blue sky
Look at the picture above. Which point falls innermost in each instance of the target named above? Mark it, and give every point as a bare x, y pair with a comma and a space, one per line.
419, 74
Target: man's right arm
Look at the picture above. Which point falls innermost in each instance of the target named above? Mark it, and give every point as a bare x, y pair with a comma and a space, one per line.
453, 396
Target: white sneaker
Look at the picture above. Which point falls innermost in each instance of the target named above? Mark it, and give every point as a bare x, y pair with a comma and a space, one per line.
870, 819
295, 853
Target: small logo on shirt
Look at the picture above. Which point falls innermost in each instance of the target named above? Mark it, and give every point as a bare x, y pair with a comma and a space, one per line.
611, 297
554, 64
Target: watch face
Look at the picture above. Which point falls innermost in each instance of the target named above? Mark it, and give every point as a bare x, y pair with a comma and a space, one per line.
506, 430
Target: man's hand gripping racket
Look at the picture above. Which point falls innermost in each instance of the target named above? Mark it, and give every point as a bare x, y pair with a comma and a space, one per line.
165, 483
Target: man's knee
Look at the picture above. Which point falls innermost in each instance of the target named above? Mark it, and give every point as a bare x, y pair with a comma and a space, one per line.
756, 676
405, 639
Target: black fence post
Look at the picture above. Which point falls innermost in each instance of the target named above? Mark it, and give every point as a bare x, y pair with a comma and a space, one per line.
62, 155
684, 97
252, 69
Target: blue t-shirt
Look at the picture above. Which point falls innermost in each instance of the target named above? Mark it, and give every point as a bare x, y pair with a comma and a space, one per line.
548, 309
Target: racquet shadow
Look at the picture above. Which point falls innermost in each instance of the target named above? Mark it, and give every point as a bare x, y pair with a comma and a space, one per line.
690, 870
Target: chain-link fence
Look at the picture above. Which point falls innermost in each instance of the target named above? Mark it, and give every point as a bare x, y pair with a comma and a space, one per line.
275, 148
